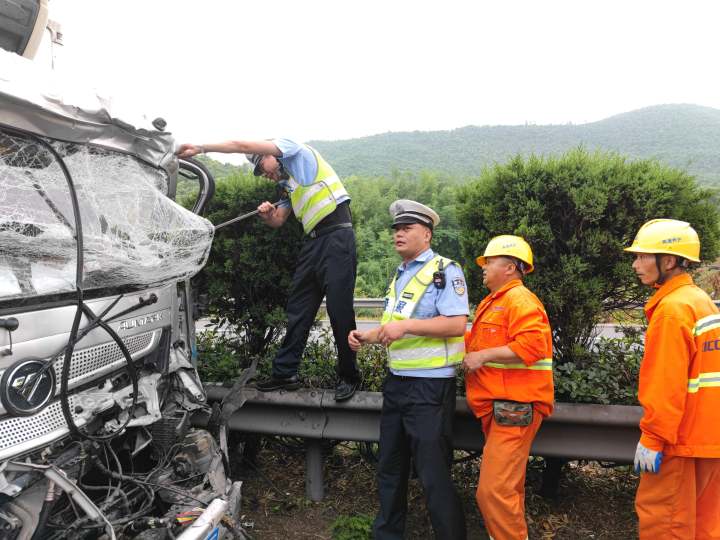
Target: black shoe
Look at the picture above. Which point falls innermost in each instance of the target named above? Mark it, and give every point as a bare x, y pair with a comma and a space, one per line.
345, 390
278, 383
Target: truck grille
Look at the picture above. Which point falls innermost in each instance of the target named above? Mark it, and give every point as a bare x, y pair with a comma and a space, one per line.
92, 362
20, 434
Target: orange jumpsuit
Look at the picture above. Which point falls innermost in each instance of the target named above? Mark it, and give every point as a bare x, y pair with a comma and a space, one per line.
515, 317
680, 395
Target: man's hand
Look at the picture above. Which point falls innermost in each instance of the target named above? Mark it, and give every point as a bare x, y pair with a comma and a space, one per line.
474, 360
355, 339
266, 210
189, 150
647, 460
391, 331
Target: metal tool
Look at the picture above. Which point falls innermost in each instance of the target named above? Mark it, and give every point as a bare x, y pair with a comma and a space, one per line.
240, 218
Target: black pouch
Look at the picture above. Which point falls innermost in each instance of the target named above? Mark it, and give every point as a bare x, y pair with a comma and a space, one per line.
513, 413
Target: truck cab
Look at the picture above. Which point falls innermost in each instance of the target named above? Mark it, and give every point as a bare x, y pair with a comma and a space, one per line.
98, 374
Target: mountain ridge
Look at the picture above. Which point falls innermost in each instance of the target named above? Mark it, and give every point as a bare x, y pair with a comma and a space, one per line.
680, 135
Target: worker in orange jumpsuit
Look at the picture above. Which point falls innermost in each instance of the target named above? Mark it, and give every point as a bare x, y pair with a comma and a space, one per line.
679, 449
509, 382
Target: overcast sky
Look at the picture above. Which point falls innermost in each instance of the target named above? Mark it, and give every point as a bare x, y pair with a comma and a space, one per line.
339, 69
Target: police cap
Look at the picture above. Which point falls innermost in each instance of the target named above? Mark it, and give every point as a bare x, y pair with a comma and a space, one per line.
404, 211
255, 160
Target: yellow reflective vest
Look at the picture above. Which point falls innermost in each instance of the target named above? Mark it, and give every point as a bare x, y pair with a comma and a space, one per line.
419, 352
318, 200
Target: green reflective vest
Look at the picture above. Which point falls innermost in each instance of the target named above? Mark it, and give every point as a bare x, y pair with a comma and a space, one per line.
318, 200
419, 352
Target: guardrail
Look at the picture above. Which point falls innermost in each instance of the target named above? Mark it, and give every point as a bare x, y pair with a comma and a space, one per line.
574, 431
363, 303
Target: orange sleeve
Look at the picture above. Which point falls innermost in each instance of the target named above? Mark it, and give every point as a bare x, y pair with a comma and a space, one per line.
664, 380
527, 329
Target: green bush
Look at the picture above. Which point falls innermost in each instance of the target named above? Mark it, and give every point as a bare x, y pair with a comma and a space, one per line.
606, 374
249, 270
578, 212
317, 369
352, 527
221, 360
219, 354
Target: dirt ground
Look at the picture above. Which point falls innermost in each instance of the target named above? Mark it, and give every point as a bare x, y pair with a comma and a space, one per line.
592, 502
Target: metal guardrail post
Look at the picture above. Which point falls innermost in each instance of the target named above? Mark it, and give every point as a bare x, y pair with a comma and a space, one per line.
314, 486
361, 303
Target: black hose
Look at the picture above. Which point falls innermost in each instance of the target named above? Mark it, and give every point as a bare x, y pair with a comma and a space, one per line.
92, 325
65, 378
112, 474
82, 308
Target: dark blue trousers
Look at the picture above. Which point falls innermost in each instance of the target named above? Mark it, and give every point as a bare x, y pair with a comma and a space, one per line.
327, 266
416, 423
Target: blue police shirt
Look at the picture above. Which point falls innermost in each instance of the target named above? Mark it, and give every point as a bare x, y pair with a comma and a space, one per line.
450, 301
300, 163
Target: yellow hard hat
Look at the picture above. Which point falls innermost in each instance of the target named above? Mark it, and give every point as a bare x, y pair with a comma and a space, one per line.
508, 246
668, 236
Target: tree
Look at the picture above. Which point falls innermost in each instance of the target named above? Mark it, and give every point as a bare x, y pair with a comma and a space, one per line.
578, 212
249, 271
371, 198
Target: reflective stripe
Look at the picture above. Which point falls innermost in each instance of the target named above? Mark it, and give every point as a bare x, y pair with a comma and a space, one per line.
306, 193
412, 293
707, 379
333, 184
706, 324
318, 200
428, 357
336, 186
440, 348
704, 380
419, 352
545, 364
313, 214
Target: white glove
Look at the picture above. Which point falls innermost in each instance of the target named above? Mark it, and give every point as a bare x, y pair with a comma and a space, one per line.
647, 460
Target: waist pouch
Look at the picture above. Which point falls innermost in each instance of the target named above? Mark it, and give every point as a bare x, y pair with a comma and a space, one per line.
512, 413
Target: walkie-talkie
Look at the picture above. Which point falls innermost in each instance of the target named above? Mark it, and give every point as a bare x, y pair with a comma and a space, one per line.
439, 276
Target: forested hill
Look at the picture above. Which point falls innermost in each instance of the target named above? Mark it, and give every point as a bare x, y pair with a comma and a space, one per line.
685, 136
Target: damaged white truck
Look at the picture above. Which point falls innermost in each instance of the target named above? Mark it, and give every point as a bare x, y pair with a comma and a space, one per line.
97, 351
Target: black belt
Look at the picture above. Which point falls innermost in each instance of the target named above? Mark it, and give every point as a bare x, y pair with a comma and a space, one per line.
316, 233
403, 377
409, 378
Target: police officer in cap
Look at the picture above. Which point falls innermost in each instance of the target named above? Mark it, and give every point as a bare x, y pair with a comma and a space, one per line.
423, 326
328, 261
